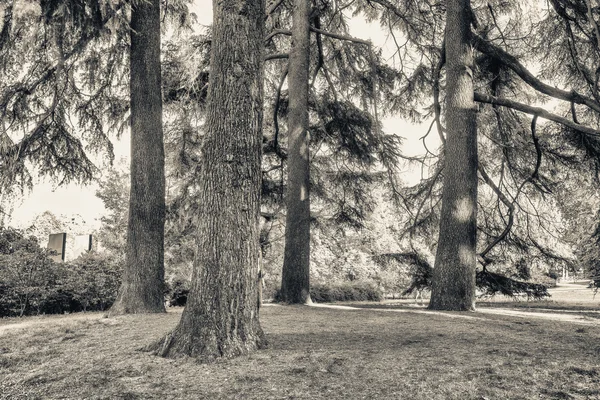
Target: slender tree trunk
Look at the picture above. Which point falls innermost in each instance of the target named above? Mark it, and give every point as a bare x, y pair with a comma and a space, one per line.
295, 283
143, 277
221, 316
453, 284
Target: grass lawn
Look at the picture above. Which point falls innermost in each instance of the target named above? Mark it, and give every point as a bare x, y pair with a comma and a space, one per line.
313, 353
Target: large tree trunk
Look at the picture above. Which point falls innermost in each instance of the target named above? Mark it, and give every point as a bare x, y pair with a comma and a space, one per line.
295, 284
453, 284
221, 316
143, 277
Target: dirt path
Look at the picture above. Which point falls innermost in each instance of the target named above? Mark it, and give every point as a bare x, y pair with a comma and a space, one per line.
553, 315
567, 316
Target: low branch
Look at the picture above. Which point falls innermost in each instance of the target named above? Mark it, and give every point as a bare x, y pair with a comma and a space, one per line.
276, 56
340, 37
273, 7
511, 62
278, 32
538, 150
540, 112
574, 113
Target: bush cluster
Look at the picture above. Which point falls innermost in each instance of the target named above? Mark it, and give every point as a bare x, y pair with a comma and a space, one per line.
176, 292
347, 291
31, 283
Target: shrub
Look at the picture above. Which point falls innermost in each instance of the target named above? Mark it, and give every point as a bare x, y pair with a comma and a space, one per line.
177, 293
31, 283
348, 291
26, 273
92, 280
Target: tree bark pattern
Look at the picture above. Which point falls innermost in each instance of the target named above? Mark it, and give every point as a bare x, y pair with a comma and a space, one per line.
142, 289
221, 316
295, 284
453, 284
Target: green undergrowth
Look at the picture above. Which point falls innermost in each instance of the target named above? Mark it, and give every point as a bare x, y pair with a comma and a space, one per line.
313, 353
346, 291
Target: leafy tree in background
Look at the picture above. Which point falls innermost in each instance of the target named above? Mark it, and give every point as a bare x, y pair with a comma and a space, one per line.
113, 190
26, 273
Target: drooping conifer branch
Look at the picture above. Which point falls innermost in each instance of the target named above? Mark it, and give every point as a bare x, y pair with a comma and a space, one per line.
485, 98
321, 63
273, 7
322, 32
276, 32
538, 150
78, 48
340, 37
276, 56
511, 62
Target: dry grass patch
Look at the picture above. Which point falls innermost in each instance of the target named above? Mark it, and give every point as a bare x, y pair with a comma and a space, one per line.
314, 353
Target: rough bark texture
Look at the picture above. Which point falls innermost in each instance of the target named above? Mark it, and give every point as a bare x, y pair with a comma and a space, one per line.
143, 277
295, 284
221, 316
453, 284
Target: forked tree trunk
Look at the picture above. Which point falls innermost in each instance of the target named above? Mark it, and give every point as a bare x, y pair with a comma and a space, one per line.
453, 284
143, 278
295, 282
221, 315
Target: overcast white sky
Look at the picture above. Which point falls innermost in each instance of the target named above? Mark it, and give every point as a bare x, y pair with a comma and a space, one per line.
72, 200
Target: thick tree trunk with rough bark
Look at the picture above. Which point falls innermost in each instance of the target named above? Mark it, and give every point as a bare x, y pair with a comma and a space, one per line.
295, 283
221, 316
143, 278
453, 284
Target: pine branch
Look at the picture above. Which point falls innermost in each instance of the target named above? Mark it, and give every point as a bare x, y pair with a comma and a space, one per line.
341, 37
538, 150
540, 112
276, 56
273, 7
278, 32
511, 62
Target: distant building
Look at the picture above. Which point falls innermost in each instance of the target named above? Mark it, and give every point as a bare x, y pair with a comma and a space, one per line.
69, 247
58, 243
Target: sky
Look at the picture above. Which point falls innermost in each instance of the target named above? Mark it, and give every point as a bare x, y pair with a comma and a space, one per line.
78, 201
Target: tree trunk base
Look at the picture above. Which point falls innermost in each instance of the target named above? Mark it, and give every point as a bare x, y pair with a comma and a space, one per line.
451, 306
206, 345
129, 304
